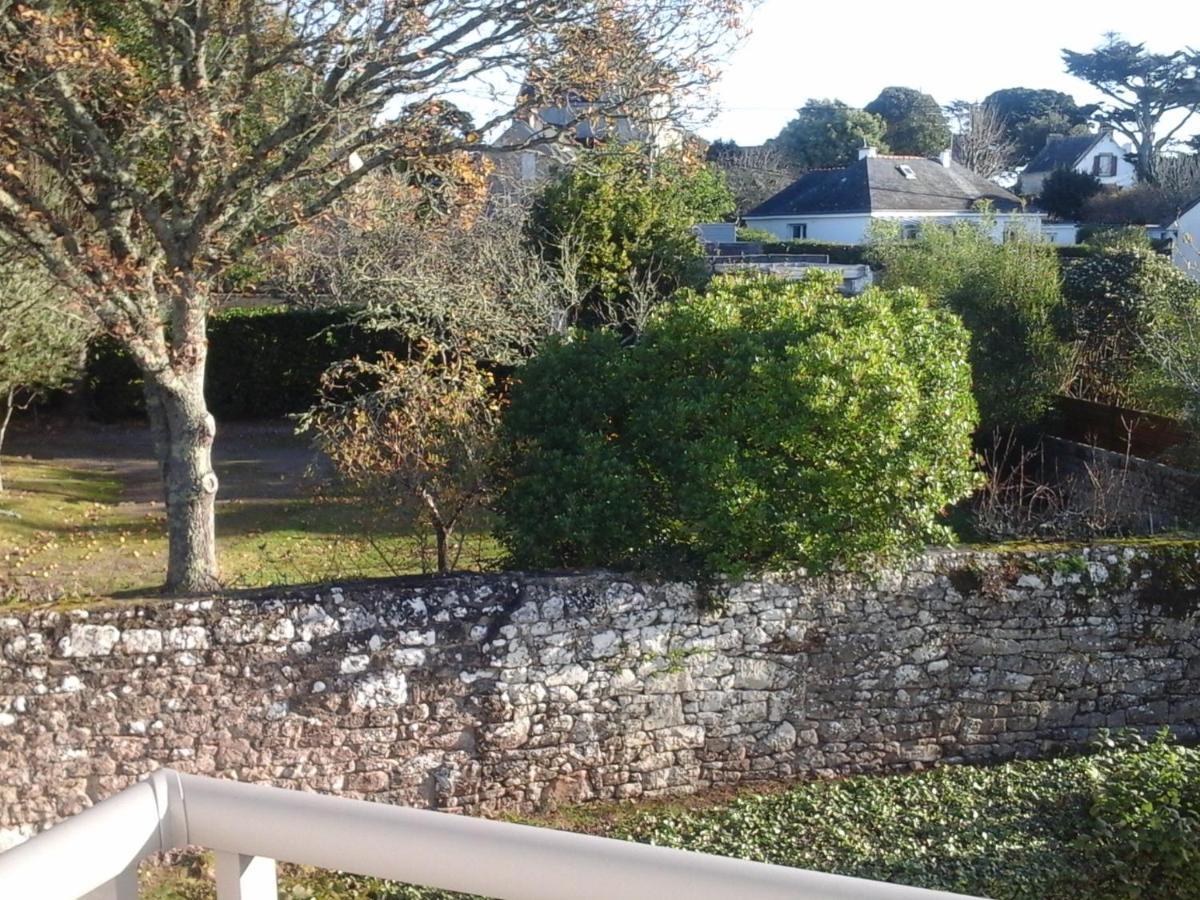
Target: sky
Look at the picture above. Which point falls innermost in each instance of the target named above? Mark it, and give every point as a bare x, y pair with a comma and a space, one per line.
851, 50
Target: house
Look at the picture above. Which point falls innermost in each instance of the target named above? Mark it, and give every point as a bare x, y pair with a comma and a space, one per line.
1185, 250
547, 135
1091, 154
839, 205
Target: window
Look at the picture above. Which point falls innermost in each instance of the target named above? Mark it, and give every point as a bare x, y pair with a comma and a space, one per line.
907, 172
910, 231
1104, 165
799, 231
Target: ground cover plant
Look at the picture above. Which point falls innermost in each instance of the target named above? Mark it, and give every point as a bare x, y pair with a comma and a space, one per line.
1121, 822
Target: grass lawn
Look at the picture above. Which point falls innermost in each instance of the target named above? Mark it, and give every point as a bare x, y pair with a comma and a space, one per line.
1114, 824
65, 534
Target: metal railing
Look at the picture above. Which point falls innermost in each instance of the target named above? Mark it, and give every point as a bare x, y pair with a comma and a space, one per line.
96, 853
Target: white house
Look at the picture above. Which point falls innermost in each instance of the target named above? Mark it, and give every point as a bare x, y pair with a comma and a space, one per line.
550, 134
1091, 154
1186, 249
839, 205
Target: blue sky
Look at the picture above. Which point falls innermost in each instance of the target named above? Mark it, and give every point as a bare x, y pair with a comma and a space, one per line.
952, 50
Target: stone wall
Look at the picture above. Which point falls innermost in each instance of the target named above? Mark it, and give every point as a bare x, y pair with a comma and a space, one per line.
1137, 495
521, 692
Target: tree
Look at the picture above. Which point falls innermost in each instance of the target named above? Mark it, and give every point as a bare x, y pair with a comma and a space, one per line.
763, 424
1029, 116
182, 134
1142, 204
417, 430
1121, 304
915, 123
1066, 193
981, 142
753, 174
464, 282
42, 339
1142, 87
1008, 297
619, 226
1179, 178
828, 133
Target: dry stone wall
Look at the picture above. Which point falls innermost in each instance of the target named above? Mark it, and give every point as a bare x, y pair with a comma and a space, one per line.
520, 692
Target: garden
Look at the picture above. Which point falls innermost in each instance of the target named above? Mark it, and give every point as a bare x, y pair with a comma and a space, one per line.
270, 315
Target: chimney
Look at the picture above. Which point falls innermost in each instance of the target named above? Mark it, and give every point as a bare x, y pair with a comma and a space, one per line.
946, 157
1054, 138
867, 152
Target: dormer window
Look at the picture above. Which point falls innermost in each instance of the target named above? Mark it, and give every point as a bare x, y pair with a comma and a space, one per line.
907, 172
1104, 165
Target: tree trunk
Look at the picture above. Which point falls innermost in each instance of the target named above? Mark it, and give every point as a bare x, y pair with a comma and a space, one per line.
183, 433
9, 404
443, 548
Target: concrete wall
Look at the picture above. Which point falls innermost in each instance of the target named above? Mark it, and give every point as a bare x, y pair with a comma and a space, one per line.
1186, 252
520, 692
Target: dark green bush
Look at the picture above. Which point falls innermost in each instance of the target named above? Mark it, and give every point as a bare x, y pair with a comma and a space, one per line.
762, 424
263, 363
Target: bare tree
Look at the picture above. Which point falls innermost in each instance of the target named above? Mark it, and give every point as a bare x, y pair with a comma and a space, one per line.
1179, 179
981, 142
183, 132
755, 174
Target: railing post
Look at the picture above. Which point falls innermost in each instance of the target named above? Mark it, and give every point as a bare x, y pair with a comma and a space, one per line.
123, 887
242, 877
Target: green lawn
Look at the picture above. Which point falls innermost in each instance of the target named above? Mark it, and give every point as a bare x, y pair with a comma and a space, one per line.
1119, 823
65, 535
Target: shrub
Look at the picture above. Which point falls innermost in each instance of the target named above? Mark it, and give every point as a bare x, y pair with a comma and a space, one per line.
1112, 299
412, 433
1144, 825
1142, 204
845, 254
619, 225
762, 424
1009, 298
1066, 192
756, 235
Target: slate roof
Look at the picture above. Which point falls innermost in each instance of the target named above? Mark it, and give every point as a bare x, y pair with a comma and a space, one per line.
877, 184
1062, 153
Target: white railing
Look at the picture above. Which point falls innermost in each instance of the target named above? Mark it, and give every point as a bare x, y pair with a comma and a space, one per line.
96, 853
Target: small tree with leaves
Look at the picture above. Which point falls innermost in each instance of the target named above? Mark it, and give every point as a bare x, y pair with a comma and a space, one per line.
417, 430
182, 133
619, 226
42, 340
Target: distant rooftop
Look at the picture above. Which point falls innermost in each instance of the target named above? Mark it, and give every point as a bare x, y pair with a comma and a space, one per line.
887, 183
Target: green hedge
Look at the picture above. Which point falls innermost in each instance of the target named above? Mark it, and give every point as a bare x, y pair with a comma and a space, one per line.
846, 254
262, 363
